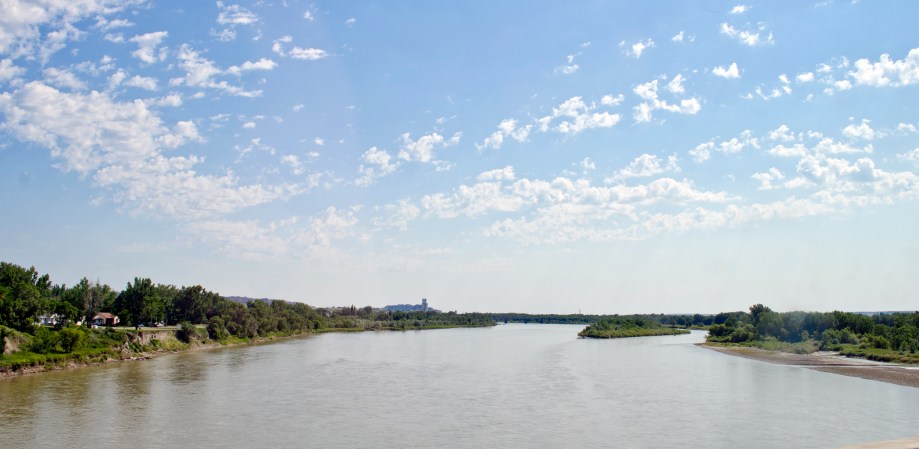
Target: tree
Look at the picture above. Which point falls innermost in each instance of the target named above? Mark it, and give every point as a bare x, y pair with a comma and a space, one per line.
139, 302
23, 296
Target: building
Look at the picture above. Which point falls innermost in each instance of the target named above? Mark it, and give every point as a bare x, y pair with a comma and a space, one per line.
424, 304
105, 319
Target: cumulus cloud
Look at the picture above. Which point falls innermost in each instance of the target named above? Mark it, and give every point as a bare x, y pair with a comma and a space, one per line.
498, 174
638, 48
235, 15
648, 165
9, 71
423, 150
43, 28
748, 37
805, 77
574, 116
729, 72
703, 151
293, 236
306, 54
507, 128
740, 9
200, 72
861, 131
376, 164
148, 49
120, 146
767, 178
261, 64
887, 72
652, 102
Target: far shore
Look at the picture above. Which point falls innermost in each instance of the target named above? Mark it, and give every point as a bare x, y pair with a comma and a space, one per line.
830, 362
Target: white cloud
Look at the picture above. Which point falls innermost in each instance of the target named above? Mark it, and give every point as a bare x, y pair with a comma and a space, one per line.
235, 15
740, 9
147, 47
261, 64
397, 215
861, 131
39, 29
887, 72
120, 145
507, 128
782, 133
675, 86
141, 82
649, 92
9, 71
805, 77
380, 164
200, 71
746, 37
308, 54
63, 78
308, 16
703, 151
498, 174
609, 100
906, 128
351, 21
678, 37
294, 236
293, 161
647, 165
577, 116
730, 72
423, 149
842, 85
911, 156
766, 179
638, 48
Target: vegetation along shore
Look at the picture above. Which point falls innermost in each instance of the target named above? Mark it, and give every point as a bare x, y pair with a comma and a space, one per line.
46, 326
883, 347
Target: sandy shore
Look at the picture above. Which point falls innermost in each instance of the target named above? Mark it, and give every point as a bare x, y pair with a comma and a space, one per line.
909, 443
832, 362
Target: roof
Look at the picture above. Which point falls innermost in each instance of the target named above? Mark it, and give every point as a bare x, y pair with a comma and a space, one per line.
105, 315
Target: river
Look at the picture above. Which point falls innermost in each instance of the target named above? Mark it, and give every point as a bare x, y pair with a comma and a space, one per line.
511, 386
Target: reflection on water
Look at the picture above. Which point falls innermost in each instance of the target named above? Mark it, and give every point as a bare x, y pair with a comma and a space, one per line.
508, 386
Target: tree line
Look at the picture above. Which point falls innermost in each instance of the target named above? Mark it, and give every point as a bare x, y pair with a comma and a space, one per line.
25, 294
827, 330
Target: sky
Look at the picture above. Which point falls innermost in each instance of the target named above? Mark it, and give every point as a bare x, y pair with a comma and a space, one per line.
529, 156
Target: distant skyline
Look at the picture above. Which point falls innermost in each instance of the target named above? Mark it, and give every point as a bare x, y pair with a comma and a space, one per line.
543, 157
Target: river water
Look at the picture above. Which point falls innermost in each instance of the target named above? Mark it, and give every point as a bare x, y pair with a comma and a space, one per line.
511, 386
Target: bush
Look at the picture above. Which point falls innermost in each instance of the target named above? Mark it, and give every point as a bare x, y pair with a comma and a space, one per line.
216, 330
186, 332
71, 338
2, 340
44, 341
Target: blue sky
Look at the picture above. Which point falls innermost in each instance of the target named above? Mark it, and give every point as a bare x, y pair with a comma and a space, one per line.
607, 157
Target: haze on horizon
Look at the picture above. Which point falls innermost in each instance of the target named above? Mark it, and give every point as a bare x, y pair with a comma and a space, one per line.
545, 157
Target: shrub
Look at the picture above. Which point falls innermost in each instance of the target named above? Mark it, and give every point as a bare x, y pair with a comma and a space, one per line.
71, 338
44, 341
216, 330
186, 332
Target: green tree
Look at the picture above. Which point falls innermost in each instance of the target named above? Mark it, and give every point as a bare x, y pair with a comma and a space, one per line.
71, 338
139, 302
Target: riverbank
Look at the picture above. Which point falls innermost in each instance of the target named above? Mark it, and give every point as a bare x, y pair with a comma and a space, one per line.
168, 343
829, 362
909, 443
